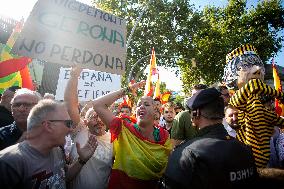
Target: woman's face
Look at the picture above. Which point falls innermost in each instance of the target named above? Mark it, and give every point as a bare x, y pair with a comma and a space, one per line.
145, 111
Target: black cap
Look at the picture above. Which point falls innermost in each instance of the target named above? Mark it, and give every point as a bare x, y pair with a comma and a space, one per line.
202, 98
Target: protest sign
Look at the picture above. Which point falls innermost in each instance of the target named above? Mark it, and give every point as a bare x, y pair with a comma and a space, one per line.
91, 85
69, 32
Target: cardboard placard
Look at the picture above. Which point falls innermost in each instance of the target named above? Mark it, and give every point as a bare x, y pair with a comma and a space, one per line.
91, 85
69, 32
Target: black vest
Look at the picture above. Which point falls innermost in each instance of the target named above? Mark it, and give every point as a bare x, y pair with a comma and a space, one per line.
212, 160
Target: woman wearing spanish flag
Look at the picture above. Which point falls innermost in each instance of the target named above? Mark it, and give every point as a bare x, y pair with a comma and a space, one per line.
141, 150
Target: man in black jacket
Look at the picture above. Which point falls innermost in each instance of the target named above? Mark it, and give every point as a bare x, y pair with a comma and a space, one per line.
21, 105
6, 117
213, 159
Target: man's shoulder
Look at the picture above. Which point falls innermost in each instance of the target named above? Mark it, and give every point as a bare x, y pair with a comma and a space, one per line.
7, 126
12, 153
8, 130
4, 110
185, 113
183, 117
208, 145
199, 144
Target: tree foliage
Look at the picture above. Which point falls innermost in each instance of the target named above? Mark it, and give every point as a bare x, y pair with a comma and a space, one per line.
177, 28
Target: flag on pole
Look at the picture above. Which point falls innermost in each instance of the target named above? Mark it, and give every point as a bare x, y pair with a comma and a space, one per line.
152, 71
5, 54
165, 97
279, 107
10, 66
14, 71
157, 92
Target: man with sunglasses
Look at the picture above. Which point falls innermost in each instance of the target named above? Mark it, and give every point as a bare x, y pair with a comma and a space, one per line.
21, 105
97, 170
38, 162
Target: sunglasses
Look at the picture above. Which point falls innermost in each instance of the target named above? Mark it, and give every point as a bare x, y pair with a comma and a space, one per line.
68, 123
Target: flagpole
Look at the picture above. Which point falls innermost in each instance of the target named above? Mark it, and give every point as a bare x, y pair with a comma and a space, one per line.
132, 68
136, 23
146, 56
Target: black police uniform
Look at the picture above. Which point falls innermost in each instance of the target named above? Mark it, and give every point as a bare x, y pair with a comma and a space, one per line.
212, 160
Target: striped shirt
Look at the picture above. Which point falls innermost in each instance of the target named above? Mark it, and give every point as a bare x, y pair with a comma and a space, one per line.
257, 122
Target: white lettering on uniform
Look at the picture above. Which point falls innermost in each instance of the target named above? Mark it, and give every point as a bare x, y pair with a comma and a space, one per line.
241, 174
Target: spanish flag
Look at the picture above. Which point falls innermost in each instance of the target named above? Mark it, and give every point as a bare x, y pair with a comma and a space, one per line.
157, 92
14, 70
5, 54
165, 97
279, 108
152, 71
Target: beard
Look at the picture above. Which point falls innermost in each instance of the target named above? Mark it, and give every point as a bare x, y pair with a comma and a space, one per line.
234, 126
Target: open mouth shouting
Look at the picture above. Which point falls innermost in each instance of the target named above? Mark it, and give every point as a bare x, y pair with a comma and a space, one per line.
141, 114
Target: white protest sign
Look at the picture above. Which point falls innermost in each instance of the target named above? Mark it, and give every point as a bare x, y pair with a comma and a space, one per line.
70, 32
91, 85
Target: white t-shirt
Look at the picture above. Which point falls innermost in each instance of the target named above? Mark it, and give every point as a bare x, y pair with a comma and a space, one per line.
229, 129
95, 173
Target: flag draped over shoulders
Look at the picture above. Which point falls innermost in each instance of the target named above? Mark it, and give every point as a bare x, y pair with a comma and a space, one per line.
137, 158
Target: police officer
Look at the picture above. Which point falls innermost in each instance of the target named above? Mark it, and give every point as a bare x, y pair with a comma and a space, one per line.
213, 159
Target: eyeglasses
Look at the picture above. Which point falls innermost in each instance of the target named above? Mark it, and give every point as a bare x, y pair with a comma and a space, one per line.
24, 104
68, 123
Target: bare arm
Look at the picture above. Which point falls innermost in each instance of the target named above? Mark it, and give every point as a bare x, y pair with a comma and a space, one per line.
71, 96
101, 104
274, 175
85, 153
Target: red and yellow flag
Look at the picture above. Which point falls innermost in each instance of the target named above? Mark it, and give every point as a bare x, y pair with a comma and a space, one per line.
165, 97
13, 70
152, 71
157, 92
279, 107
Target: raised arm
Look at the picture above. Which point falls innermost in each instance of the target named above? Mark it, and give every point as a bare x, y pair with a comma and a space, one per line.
101, 104
71, 95
84, 153
254, 86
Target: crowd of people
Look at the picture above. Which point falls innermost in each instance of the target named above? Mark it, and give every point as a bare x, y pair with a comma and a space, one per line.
223, 136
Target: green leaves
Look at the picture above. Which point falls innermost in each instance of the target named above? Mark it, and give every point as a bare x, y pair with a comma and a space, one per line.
177, 28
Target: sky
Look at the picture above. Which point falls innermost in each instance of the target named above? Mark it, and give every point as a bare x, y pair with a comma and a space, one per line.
23, 8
